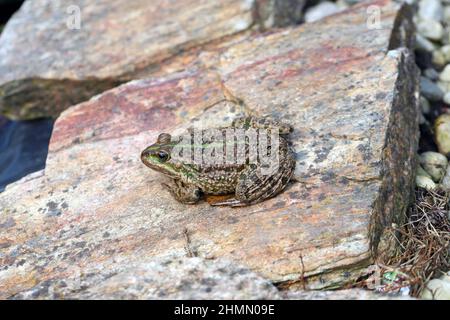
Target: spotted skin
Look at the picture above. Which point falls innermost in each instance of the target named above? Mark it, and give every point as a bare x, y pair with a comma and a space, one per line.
246, 181
185, 193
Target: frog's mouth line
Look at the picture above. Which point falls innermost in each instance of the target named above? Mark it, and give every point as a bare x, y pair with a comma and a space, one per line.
145, 156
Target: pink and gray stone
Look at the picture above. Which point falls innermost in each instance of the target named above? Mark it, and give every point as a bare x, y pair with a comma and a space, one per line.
180, 278
54, 54
350, 92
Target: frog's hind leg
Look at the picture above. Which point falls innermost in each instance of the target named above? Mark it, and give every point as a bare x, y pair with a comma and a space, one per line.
254, 187
184, 193
264, 122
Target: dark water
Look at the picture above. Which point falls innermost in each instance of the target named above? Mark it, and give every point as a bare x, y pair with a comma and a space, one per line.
23, 148
7, 8
23, 144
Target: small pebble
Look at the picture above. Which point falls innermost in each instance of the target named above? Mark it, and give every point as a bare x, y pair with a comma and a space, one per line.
425, 183
447, 14
430, 9
446, 37
446, 52
445, 86
442, 133
425, 105
430, 90
431, 74
434, 163
447, 98
421, 172
437, 289
438, 58
430, 29
445, 74
445, 183
424, 44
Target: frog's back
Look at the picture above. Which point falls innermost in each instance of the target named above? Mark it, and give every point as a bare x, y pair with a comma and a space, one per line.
220, 175
214, 179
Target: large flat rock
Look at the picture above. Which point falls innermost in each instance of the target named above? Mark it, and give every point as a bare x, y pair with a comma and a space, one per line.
349, 91
180, 278
54, 54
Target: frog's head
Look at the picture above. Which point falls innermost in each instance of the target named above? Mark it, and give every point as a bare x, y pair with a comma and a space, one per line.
157, 156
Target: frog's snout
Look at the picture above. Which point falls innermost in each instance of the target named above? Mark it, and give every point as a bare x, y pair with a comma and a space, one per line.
145, 154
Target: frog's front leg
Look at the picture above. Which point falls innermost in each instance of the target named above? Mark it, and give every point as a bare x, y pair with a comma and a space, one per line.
184, 193
264, 122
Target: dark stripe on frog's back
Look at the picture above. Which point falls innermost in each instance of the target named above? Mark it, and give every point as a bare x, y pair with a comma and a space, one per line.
212, 144
283, 145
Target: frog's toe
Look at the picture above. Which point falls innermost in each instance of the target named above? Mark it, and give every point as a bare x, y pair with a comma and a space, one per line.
233, 202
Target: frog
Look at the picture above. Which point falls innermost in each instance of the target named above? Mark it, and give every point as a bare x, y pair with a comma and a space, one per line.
244, 182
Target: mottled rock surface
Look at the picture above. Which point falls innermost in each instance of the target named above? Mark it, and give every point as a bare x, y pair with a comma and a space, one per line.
179, 278
159, 278
54, 54
346, 294
349, 91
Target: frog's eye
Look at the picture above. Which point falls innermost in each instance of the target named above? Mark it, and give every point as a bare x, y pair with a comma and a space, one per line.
163, 156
